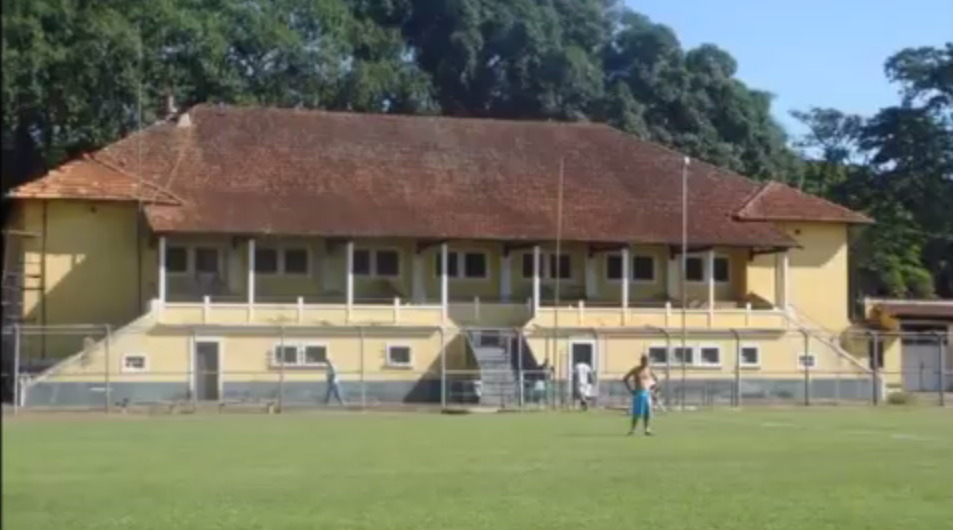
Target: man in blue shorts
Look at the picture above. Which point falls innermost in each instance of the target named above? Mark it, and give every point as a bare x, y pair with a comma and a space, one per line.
643, 379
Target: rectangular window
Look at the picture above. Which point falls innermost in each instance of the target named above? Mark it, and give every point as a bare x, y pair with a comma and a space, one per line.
286, 354
722, 269
206, 260
643, 268
266, 261
361, 265
177, 260
528, 266
134, 363
399, 356
658, 355
453, 270
296, 261
683, 355
474, 265
710, 356
807, 360
561, 267
750, 356
694, 269
388, 264
614, 267
315, 354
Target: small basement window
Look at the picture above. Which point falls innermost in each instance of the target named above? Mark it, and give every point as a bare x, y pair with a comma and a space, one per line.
750, 356
315, 354
177, 260
399, 356
133, 363
710, 356
658, 355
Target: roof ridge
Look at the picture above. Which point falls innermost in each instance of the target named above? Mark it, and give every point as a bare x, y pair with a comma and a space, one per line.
173, 198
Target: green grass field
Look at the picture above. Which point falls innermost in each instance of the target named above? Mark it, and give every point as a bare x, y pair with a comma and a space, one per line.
759, 470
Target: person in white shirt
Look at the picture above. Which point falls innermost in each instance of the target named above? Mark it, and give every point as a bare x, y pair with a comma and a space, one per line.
583, 379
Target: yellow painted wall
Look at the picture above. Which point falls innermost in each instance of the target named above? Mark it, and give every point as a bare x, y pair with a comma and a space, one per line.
818, 283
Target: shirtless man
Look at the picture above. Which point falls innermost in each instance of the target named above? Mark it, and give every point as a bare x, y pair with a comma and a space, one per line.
644, 379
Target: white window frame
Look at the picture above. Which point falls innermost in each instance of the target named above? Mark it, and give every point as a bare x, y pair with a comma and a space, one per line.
128, 370
299, 348
547, 273
277, 251
741, 359
390, 363
373, 273
189, 266
283, 261
705, 271
692, 349
800, 360
668, 353
655, 274
727, 259
301, 354
700, 361
459, 255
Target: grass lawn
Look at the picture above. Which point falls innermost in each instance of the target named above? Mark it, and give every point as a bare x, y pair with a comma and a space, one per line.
752, 470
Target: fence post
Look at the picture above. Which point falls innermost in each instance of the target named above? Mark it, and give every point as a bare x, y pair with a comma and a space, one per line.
363, 371
16, 368
519, 364
193, 398
875, 375
281, 368
807, 369
443, 367
942, 364
668, 368
108, 366
737, 392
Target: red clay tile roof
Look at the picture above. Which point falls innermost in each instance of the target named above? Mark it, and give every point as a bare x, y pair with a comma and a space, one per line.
778, 202
87, 178
295, 172
934, 311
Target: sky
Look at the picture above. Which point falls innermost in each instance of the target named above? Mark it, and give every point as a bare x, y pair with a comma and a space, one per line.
810, 53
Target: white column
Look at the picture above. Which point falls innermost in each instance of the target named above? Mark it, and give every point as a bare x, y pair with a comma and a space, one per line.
349, 288
671, 279
444, 283
251, 272
626, 274
782, 287
162, 271
506, 274
419, 293
592, 289
536, 262
710, 267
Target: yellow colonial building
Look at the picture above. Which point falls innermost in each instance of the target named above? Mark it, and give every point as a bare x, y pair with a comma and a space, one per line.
235, 252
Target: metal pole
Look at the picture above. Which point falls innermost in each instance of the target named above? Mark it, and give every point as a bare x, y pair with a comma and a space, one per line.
807, 370
684, 272
443, 368
876, 369
16, 368
108, 367
668, 370
519, 363
737, 392
281, 368
942, 364
363, 371
193, 397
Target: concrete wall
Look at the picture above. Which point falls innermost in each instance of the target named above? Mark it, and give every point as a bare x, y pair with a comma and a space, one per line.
819, 273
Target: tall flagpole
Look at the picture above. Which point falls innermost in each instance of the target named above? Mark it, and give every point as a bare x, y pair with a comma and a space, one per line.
558, 272
684, 271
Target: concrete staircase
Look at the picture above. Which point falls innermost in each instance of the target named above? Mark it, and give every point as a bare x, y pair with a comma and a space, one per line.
496, 354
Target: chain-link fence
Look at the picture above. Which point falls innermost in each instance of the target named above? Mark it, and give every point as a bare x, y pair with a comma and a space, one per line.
285, 367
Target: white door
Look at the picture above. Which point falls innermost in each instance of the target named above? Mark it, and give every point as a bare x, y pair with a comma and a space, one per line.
921, 368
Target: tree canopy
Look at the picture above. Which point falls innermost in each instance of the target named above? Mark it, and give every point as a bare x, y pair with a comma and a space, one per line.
79, 74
